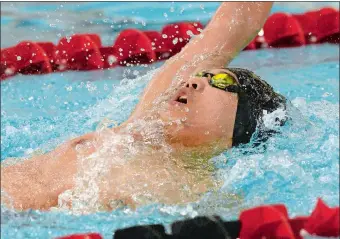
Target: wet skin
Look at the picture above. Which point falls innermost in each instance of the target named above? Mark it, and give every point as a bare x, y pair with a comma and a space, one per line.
41, 179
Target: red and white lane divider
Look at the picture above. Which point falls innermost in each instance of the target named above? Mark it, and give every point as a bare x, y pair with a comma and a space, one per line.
135, 47
269, 221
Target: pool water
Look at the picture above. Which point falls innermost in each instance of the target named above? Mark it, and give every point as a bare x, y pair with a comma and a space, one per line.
39, 112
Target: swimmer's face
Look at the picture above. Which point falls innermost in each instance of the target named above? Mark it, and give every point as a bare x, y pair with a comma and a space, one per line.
200, 113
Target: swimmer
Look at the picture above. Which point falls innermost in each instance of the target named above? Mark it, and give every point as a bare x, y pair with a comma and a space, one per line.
198, 109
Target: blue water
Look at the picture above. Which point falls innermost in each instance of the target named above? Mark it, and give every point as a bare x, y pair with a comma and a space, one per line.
39, 112
49, 21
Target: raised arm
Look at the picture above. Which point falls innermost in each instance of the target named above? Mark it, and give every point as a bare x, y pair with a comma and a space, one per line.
233, 26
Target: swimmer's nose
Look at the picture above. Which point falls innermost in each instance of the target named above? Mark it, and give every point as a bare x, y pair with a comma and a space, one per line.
195, 83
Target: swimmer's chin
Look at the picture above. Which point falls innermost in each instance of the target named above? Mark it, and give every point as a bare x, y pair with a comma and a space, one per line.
173, 126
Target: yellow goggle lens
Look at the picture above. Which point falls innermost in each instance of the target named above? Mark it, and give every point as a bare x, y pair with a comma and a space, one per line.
222, 80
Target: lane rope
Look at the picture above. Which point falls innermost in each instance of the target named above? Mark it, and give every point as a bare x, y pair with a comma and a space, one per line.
268, 221
135, 47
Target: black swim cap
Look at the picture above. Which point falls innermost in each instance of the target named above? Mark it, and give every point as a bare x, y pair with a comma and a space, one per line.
254, 97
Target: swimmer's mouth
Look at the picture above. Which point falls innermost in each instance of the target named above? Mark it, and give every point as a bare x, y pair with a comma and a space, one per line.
182, 99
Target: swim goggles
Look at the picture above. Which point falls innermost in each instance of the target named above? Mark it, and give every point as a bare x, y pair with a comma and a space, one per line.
222, 81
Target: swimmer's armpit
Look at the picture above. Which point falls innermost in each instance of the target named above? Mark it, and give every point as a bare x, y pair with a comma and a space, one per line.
37, 182
78, 147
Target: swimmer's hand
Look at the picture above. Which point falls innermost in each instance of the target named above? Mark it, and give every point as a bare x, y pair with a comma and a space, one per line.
232, 27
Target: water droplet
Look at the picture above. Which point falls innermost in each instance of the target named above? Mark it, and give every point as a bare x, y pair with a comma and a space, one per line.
165, 36
111, 59
261, 33
68, 88
326, 94
206, 132
165, 15
190, 33
186, 109
313, 39
18, 58
9, 71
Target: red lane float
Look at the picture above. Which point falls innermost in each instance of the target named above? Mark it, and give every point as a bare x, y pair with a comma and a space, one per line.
266, 221
283, 30
328, 26
82, 236
135, 47
177, 35
272, 221
320, 26
79, 52
50, 50
159, 46
109, 57
324, 221
25, 58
